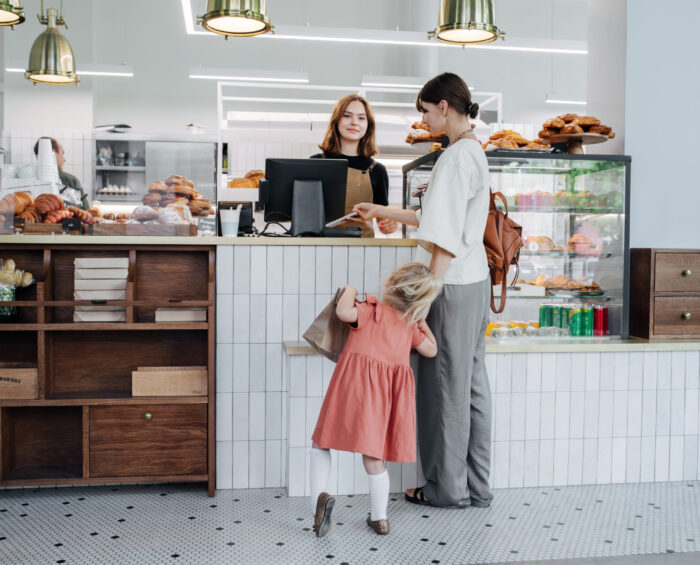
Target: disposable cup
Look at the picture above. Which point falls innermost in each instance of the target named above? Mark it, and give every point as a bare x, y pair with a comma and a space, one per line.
229, 222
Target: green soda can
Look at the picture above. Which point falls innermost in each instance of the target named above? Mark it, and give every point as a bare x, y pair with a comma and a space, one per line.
545, 315
556, 316
565, 317
575, 322
587, 321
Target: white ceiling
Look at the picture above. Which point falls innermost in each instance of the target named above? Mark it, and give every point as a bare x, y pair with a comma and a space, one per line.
151, 36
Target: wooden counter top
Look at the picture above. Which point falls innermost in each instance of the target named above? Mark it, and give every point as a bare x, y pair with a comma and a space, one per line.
583, 345
205, 240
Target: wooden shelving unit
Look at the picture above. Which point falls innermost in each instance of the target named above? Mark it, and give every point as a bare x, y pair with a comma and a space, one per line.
85, 427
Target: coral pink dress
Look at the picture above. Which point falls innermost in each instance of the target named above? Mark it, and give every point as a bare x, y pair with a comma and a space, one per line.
370, 404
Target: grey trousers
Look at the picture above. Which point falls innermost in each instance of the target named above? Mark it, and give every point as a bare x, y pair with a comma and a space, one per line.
453, 400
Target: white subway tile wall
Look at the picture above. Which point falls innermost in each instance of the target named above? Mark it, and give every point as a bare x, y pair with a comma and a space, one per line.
558, 418
77, 145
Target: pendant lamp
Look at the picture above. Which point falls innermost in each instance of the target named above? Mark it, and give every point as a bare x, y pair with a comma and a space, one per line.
465, 22
11, 13
238, 18
51, 59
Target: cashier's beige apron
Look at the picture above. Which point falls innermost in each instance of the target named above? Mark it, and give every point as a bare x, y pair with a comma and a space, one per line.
359, 189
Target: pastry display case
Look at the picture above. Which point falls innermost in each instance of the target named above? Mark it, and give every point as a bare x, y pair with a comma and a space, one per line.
574, 266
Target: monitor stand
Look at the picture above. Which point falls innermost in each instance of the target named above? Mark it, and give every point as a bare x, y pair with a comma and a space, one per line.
308, 216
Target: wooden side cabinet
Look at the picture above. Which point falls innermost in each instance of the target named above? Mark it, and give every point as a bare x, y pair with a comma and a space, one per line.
665, 293
82, 423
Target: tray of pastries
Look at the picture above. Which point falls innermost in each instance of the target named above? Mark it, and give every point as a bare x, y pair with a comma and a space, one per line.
512, 140
575, 131
561, 285
420, 133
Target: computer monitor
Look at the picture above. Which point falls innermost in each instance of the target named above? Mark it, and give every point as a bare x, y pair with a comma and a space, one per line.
281, 174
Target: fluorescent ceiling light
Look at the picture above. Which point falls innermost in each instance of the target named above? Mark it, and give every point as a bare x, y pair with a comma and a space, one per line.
280, 100
87, 70
392, 37
393, 81
249, 75
311, 101
570, 102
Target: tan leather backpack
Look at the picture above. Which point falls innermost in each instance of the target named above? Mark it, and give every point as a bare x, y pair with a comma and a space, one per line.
502, 240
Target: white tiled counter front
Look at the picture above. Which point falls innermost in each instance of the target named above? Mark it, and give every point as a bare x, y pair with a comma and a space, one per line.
564, 414
266, 295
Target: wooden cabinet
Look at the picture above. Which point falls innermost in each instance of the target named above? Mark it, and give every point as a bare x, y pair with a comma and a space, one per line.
665, 293
85, 426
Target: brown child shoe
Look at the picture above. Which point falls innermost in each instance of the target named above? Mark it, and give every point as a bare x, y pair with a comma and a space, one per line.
322, 519
379, 526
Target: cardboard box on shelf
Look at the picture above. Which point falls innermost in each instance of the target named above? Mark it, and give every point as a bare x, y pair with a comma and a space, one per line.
101, 262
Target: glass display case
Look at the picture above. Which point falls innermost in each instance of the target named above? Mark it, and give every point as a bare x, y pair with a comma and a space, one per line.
574, 265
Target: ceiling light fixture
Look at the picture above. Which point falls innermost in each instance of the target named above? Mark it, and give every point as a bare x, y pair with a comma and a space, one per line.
249, 75
238, 18
569, 102
466, 22
11, 13
51, 59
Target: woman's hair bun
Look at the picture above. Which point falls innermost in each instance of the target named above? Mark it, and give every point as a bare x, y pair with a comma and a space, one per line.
473, 110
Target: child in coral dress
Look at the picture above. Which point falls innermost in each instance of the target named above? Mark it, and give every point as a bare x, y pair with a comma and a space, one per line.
370, 404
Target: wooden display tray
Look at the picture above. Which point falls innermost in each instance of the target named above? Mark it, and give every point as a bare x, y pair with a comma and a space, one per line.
43, 229
575, 141
169, 381
140, 229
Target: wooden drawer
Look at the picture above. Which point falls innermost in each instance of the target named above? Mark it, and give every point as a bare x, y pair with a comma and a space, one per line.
669, 316
123, 442
670, 269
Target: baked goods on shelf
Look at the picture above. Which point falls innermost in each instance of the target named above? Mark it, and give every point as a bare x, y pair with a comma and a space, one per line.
144, 213
537, 199
510, 139
250, 180
539, 243
560, 282
57, 216
573, 123
16, 203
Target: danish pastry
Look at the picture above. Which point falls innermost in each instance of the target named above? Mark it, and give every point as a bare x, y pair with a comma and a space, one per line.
572, 128
568, 118
604, 130
584, 121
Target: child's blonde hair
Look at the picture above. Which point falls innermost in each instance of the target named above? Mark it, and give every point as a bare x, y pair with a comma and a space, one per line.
411, 289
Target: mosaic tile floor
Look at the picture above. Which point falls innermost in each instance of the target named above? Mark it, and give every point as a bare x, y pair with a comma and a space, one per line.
149, 524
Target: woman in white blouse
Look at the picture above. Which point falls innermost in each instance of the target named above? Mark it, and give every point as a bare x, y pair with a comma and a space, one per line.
453, 399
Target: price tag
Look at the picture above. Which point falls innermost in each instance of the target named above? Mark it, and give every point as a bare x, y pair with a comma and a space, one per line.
18, 224
206, 226
70, 224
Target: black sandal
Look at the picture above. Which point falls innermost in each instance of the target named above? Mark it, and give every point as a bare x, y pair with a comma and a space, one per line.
418, 497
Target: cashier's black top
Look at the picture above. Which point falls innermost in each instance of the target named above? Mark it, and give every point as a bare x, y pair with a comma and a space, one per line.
377, 176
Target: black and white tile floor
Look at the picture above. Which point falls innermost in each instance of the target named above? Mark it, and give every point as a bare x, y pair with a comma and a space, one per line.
148, 524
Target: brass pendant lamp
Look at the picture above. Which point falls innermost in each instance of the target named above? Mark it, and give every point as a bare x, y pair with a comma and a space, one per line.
237, 18
51, 59
11, 13
466, 22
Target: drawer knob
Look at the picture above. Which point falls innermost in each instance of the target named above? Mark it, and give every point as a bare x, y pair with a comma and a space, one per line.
148, 416
686, 316
687, 273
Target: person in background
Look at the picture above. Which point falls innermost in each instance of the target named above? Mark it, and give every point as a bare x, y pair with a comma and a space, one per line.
369, 407
350, 136
453, 399
72, 191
